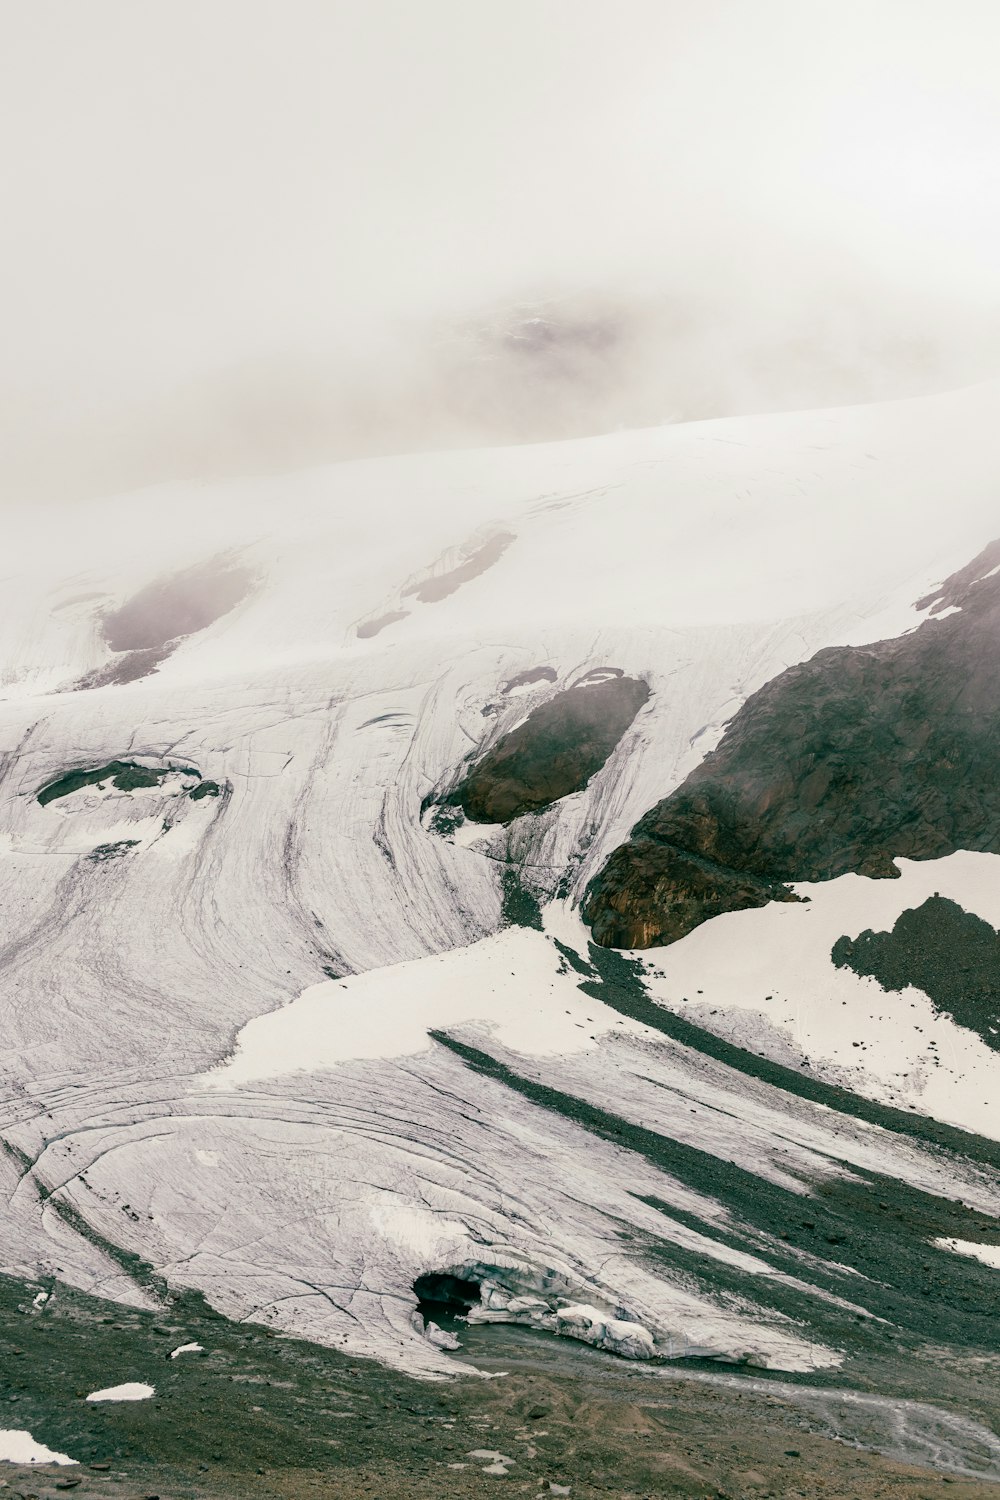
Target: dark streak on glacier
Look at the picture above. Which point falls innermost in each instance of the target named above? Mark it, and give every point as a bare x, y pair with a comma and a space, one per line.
617, 981
873, 1224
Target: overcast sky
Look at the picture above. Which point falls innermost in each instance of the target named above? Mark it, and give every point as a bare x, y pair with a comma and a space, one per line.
221, 215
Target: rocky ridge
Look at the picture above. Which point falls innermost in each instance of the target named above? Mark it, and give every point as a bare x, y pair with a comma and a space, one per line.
559, 747
840, 764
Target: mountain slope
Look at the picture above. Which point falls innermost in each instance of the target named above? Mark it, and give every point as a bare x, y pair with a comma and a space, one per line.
283, 1025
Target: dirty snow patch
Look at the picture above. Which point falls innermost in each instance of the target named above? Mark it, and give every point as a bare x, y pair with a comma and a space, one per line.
496, 1463
468, 834
581, 1321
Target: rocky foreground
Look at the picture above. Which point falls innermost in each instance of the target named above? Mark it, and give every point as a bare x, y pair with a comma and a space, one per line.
266, 1418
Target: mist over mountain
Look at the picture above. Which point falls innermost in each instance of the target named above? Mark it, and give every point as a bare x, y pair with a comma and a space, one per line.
238, 244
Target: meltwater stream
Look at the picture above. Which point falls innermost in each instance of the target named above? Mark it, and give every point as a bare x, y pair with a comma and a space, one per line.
910, 1432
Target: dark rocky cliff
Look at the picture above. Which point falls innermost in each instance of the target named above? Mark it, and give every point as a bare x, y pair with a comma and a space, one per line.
555, 752
839, 764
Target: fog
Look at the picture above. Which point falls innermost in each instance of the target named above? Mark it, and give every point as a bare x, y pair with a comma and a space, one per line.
242, 235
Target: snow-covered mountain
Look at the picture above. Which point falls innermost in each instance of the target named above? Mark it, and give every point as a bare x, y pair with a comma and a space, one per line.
303, 797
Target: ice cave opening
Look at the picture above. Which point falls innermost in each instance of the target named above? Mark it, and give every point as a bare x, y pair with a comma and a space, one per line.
445, 1299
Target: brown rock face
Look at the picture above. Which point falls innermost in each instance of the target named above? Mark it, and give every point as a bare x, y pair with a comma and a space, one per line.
650, 894
559, 747
840, 764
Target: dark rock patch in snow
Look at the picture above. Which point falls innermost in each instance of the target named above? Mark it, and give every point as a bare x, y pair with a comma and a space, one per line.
519, 906
442, 820
104, 852
525, 679
949, 953
372, 628
651, 893
129, 776
838, 765
127, 667
205, 789
125, 775
555, 752
951, 594
432, 590
144, 630
170, 608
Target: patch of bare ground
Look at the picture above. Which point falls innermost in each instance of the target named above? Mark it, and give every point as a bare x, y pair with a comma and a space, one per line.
256, 1415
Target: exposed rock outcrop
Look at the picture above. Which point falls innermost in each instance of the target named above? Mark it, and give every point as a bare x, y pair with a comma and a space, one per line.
126, 776
172, 608
432, 589
838, 765
558, 748
144, 630
529, 677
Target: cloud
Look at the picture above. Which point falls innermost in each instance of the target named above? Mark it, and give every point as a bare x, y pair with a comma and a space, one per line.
243, 235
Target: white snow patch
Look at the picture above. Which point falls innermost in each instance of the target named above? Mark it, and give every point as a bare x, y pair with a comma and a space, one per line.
988, 1254
18, 1447
510, 981
186, 1349
132, 1390
496, 1463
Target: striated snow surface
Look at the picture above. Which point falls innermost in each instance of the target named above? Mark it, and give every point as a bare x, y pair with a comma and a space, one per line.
214, 1014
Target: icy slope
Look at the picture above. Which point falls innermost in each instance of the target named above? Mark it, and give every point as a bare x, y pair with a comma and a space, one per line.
295, 674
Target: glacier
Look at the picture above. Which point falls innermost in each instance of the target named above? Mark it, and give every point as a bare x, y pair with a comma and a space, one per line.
264, 1041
